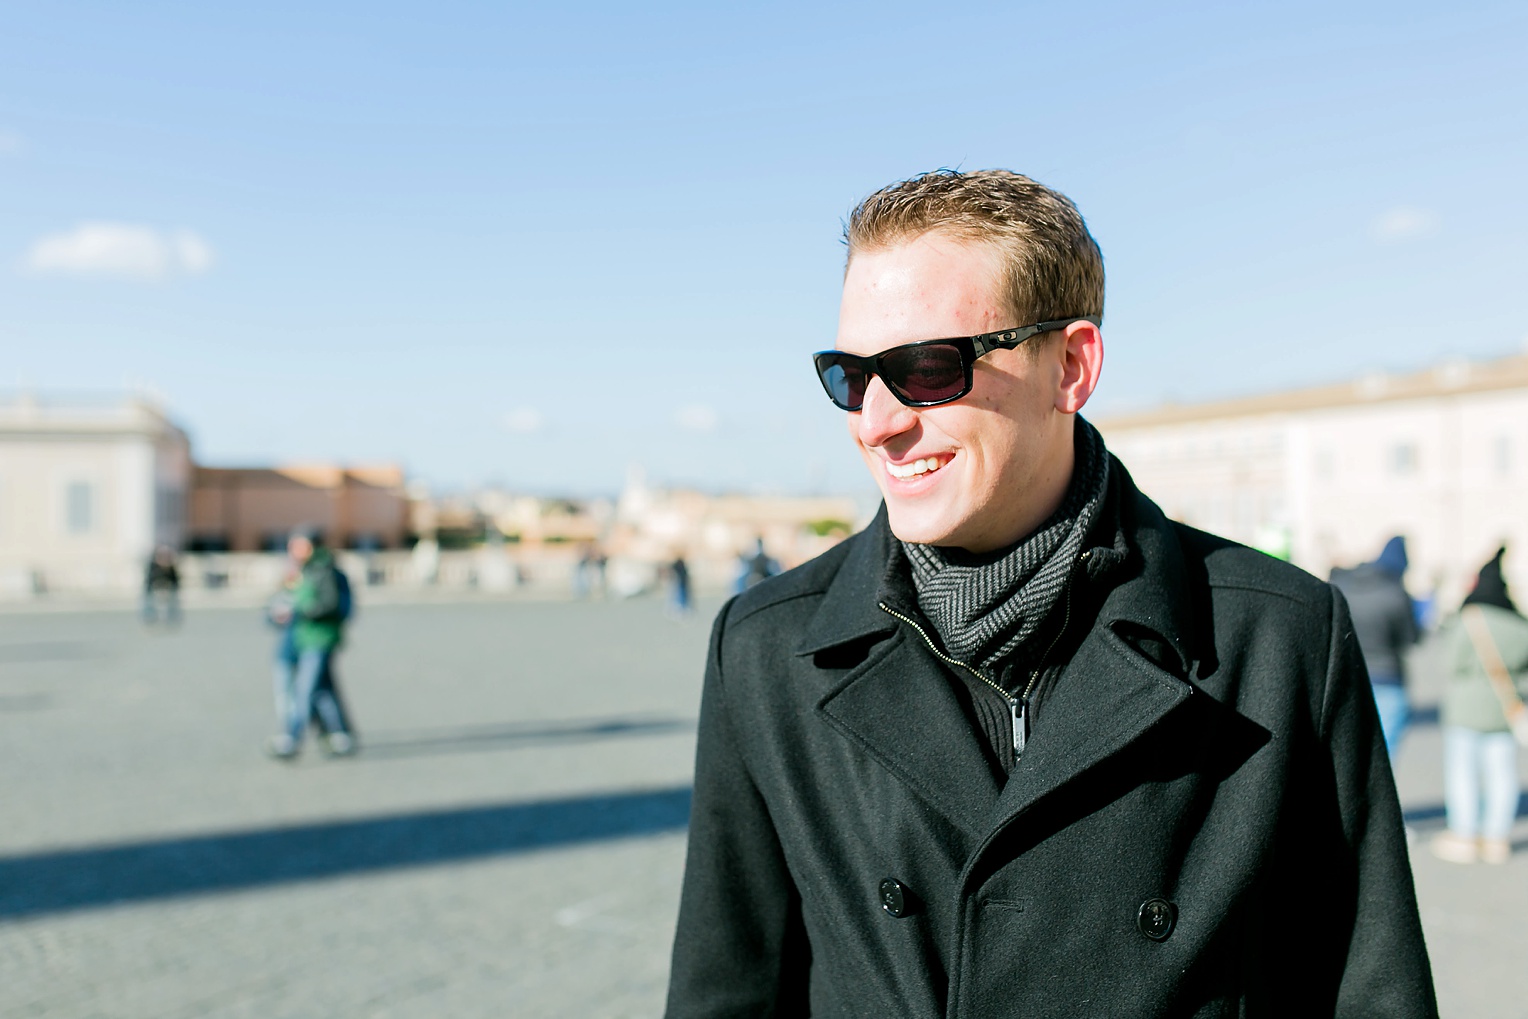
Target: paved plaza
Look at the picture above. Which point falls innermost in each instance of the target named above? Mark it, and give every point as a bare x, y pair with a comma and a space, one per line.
509, 842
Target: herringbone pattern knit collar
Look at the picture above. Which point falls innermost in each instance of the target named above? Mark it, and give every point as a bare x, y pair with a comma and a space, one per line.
985, 607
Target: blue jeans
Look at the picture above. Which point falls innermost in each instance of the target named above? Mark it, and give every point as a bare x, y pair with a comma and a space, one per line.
161, 602
297, 682
1480, 787
1394, 713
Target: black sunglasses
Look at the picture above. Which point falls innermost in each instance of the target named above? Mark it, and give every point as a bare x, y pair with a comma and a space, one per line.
923, 374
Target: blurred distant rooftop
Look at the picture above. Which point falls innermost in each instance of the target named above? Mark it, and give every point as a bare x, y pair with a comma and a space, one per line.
25, 411
1450, 378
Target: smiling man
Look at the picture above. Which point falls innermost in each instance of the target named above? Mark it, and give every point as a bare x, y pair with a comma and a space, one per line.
1023, 746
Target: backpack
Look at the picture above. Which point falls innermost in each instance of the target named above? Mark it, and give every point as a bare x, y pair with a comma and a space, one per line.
346, 607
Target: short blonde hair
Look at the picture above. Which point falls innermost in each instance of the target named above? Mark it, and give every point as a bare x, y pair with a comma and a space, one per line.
1052, 267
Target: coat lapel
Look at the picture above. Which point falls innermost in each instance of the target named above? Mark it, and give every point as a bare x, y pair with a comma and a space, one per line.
900, 708
1106, 698
898, 705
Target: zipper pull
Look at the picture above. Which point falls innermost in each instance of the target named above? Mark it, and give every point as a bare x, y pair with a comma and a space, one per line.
1020, 736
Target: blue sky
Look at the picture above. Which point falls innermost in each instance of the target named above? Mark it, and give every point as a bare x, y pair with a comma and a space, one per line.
507, 243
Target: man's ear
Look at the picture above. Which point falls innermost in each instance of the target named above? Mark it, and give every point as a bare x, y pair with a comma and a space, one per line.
1082, 360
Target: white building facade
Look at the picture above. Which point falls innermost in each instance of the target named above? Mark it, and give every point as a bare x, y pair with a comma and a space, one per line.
87, 490
1327, 475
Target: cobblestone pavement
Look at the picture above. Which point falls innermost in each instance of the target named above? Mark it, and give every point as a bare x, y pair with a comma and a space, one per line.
509, 843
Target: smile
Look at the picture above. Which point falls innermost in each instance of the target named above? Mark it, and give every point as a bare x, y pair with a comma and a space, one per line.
925, 466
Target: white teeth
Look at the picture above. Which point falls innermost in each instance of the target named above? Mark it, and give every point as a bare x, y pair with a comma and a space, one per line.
913, 469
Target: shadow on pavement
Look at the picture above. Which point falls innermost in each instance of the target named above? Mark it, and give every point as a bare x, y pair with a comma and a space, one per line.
91, 878
1431, 815
49, 651
25, 702
472, 738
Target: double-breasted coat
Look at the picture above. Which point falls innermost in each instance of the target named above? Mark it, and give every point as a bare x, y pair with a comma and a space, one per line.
1203, 821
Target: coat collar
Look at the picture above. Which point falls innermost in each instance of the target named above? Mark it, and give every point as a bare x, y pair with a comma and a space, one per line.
898, 705
1143, 573
1132, 554
850, 610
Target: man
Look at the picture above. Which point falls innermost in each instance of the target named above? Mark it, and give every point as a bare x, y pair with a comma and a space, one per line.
1024, 747
1385, 623
315, 616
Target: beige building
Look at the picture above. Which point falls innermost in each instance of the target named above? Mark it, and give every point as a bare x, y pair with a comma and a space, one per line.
87, 489
1329, 473
242, 509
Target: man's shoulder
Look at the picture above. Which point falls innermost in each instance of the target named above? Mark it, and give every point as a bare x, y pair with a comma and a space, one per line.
1231, 567
1196, 561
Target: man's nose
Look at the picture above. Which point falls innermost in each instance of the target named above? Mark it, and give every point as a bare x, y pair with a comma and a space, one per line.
882, 416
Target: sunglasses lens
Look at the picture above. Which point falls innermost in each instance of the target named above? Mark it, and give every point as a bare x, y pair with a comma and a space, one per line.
843, 377
926, 373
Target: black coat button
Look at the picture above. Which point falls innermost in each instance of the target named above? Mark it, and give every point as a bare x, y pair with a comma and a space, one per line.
895, 898
1156, 918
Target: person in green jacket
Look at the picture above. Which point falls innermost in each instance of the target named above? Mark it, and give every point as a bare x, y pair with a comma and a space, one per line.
316, 615
1480, 783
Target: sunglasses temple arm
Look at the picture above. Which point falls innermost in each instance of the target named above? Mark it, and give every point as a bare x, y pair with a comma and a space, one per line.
983, 346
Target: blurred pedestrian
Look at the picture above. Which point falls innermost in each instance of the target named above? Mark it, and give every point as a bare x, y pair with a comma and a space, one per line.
161, 588
589, 573
679, 580
317, 607
1484, 650
581, 570
1385, 622
756, 568
328, 708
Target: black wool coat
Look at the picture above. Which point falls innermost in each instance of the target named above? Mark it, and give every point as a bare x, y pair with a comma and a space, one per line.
1203, 821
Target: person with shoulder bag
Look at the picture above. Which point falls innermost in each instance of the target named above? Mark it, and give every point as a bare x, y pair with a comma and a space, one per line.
1485, 653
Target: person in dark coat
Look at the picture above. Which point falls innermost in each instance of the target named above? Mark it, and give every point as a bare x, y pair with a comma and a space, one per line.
679, 576
1023, 746
1385, 622
161, 588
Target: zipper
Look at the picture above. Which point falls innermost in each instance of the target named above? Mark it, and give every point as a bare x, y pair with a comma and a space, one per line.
1020, 724
1015, 704
1018, 707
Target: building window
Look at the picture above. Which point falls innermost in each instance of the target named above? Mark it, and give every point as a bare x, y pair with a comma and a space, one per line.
1403, 458
79, 507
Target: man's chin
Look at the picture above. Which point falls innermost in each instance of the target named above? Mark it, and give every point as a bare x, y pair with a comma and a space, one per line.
918, 528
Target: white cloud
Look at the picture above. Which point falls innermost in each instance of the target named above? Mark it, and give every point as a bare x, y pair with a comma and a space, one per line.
524, 421
1404, 223
696, 418
120, 249
194, 254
